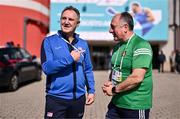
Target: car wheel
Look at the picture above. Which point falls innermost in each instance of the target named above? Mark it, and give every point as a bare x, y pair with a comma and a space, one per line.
39, 74
13, 83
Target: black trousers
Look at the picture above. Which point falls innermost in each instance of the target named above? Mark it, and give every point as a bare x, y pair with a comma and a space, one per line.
56, 108
161, 67
121, 113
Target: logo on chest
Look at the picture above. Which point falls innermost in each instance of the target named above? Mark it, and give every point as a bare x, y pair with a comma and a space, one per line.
123, 53
57, 47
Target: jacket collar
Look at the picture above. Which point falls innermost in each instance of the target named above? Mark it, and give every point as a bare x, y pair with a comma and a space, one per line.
76, 36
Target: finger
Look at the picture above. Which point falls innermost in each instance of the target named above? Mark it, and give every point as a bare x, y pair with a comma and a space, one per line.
89, 101
105, 83
105, 93
103, 87
108, 84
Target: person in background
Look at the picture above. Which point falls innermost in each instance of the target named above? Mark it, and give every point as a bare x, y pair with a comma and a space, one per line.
130, 83
161, 59
10, 44
177, 61
18, 45
66, 61
172, 61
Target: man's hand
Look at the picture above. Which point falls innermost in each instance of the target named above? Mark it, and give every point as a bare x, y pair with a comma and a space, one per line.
90, 99
76, 55
107, 88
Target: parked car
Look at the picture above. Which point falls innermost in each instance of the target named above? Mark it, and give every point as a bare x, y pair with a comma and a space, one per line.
17, 66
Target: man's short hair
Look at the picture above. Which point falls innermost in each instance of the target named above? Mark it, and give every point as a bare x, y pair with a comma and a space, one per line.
71, 8
136, 4
127, 17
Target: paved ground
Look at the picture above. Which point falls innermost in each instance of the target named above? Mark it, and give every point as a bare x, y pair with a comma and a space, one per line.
28, 101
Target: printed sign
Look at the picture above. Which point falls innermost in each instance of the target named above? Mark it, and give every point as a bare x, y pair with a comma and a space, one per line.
150, 17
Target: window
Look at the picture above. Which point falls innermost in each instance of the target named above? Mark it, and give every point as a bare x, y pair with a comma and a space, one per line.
25, 53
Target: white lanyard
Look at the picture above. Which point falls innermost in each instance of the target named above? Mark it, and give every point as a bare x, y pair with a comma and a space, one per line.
72, 45
68, 43
121, 62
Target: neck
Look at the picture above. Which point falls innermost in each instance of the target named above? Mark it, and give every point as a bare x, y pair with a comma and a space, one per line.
70, 39
128, 35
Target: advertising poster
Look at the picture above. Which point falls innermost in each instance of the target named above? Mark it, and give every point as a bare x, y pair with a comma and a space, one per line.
150, 17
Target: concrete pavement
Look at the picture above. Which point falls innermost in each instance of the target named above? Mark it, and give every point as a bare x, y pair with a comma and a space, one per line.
28, 101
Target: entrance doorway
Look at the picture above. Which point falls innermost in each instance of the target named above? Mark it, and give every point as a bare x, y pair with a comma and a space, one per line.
101, 57
155, 49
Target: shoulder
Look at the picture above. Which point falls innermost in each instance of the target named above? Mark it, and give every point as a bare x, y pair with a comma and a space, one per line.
51, 37
147, 10
141, 46
140, 42
82, 41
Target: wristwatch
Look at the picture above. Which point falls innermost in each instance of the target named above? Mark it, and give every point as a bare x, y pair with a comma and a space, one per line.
114, 90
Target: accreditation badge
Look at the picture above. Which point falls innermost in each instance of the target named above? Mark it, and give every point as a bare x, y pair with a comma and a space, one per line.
116, 76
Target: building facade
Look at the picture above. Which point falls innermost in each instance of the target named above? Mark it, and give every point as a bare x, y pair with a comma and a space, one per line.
25, 22
95, 21
173, 41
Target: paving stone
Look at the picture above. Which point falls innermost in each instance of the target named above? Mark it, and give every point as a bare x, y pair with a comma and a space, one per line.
28, 101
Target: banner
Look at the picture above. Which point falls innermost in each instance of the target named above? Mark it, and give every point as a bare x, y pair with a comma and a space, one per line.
150, 17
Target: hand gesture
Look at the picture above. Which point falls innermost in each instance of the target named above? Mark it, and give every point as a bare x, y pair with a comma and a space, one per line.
107, 87
90, 99
76, 55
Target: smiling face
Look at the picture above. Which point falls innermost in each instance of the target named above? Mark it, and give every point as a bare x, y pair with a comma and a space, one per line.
69, 22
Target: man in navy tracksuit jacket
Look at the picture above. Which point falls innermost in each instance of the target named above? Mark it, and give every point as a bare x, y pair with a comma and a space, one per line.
66, 61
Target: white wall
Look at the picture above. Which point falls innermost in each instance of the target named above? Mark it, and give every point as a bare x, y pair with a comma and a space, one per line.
169, 46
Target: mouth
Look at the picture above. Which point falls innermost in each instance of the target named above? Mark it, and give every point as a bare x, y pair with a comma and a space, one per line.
114, 36
66, 27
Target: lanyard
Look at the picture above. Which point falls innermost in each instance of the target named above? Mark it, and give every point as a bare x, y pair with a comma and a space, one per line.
72, 46
121, 62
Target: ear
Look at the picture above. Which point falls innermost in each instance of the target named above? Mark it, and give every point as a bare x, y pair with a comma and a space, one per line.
126, 27
78, 23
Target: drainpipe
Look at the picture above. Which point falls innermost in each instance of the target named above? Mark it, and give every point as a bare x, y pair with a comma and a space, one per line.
174, 23
24, 32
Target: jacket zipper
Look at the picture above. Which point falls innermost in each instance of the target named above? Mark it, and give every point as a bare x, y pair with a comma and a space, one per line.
74, 74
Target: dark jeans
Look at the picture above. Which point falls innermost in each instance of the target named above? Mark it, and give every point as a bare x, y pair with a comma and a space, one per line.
57, 108
121, 113
161, 67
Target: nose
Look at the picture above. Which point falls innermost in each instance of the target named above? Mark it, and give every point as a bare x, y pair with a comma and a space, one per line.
110, 30
66, 21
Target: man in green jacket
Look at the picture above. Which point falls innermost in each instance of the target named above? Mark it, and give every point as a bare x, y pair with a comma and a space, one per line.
130, 83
